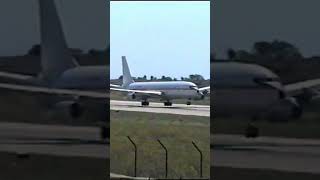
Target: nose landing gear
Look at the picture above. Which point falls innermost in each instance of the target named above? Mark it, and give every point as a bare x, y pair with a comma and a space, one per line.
251, 131
145, 103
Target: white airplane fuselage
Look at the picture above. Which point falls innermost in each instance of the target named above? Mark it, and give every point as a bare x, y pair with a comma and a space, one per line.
170, 89
84, 78
249, 90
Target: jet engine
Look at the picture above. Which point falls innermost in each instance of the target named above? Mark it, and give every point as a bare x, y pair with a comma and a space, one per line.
284, 110
132, 95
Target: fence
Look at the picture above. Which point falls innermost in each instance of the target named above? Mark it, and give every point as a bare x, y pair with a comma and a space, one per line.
165, 149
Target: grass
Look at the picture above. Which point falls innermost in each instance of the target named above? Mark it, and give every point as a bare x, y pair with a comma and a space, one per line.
123, 97
176, 133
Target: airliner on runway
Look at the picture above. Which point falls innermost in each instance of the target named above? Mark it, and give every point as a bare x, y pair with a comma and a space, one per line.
248, 89
255, 92
164, 90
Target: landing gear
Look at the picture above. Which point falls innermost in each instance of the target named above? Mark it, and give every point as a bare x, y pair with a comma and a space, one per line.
188, 103
251, 131
145, 103
167, 103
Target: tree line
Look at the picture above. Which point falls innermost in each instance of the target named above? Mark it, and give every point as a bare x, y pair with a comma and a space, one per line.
192, 77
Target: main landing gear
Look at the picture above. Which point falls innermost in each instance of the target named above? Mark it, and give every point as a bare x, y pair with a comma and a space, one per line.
167, 103
145, 103
252, 131
104, 132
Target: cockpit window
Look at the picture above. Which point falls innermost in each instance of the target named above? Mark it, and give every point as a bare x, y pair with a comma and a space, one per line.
193, 87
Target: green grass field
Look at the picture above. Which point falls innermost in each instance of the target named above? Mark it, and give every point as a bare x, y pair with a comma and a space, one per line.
176, 133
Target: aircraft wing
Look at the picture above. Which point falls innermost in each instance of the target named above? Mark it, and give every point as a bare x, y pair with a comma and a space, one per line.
115, 86
15, 76
54, 91
205, 90
145, 92
301, 87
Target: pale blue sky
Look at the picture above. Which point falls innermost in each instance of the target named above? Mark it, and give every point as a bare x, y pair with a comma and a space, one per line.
160, 38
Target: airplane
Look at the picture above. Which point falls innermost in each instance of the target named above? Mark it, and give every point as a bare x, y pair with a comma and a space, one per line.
250, 90
240, 89
163, 90
61, 75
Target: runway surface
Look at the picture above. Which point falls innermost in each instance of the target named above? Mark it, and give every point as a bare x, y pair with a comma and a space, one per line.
182, 109
284, 154
52, 140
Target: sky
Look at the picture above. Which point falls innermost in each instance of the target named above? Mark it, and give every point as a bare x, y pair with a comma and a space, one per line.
160, 38
238, 24
85, 23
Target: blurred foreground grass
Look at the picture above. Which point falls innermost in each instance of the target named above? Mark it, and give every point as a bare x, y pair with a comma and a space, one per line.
39, 167
226, 173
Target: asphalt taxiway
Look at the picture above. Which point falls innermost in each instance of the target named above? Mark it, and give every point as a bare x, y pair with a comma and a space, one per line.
273, 153
60, 140
181, 109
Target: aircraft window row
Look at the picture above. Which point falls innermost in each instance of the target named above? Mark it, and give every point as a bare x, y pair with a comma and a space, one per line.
193, 87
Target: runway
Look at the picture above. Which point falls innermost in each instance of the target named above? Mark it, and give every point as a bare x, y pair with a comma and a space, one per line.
284, 154
182, 109
58, 140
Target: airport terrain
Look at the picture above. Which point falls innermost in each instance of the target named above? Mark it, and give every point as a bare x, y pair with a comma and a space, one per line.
38, 167
176, 132
180, 109
288, 150
37, 142
120, 96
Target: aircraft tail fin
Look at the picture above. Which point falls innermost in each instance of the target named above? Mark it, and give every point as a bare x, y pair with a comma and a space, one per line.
55, 55
126, 78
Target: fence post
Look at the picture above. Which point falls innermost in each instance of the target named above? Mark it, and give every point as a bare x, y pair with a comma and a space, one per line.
135, 156
166, 157
194, 144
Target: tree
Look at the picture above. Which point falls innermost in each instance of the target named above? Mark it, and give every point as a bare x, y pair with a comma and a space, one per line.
262, 48
275, 50
196, 77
